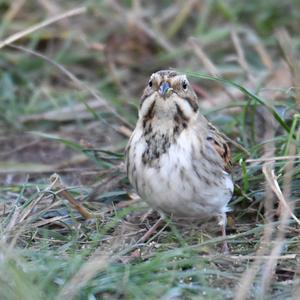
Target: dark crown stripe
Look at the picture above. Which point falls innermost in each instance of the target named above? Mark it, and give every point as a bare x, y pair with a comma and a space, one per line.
169, 73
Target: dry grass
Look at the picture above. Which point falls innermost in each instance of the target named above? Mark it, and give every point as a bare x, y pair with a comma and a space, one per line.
72, 74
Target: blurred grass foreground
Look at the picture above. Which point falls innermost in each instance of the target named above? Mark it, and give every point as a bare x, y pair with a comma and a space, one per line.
71, 76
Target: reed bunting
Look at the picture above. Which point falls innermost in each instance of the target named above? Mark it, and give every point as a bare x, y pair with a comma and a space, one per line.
176, 160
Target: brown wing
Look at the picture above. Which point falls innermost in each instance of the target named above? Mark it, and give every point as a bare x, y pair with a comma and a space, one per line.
220, 145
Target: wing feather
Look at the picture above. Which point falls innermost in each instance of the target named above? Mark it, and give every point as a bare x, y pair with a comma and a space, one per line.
220, 145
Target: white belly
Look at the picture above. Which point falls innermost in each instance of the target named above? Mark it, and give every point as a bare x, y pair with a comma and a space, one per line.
180, 185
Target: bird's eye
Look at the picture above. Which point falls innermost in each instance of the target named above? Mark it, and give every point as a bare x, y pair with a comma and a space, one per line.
184, 84
150, 83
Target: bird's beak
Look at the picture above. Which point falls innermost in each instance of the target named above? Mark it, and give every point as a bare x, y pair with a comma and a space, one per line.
164, 88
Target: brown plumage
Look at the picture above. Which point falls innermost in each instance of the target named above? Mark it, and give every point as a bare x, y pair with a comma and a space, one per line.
176, 160
221, 146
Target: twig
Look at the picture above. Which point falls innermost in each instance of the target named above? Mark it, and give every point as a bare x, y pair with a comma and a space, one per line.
285, 213
48, 221
20, 218
255, 42
124, 131
240, 53
19, 35
291, 58
57, 184
244, 285
69, 113
208, 64
18, 148
106, 184
264, 56
270, 176
184, 12
266, 257
199, 52
140, 24
151, 231
79, 83
13, 11
265, 159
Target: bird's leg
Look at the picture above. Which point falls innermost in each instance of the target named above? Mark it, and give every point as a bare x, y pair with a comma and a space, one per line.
222, 218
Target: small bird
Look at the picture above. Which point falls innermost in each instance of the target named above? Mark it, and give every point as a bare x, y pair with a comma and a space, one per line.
176, 160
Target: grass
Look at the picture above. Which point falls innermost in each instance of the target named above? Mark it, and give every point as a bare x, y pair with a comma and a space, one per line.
69, 98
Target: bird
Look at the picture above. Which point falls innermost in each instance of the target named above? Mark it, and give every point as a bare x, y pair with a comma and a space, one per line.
176, 160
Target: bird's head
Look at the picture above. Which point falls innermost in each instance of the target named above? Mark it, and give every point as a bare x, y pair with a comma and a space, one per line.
169, 92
